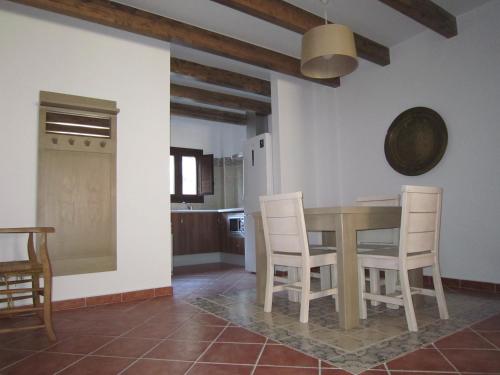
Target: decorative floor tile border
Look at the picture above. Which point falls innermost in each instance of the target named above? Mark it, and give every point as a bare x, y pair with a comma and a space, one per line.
241, 309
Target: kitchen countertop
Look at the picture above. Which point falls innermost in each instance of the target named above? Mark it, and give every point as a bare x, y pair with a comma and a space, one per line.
209, 210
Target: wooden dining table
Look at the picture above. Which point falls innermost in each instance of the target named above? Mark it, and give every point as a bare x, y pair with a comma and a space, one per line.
338, 225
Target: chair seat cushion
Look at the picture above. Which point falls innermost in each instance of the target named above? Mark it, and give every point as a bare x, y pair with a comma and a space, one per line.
322, 257
385, 251
319, 250
379, 258
388, 258
23, 266
362, 247
318, 257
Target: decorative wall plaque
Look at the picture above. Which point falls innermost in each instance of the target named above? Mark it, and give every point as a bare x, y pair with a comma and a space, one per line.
416, 141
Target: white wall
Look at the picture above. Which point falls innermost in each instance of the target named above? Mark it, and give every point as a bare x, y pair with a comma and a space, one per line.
460, 79
42, 51
213, 137
305, 141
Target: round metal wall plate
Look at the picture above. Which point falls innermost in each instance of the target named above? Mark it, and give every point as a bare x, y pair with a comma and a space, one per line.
416, 141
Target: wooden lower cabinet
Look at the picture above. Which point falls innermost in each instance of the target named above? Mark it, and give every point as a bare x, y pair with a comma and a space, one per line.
179, 234
196, 232
204, 232
235, 244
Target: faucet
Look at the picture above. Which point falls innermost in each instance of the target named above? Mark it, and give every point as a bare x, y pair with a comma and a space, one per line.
188, 206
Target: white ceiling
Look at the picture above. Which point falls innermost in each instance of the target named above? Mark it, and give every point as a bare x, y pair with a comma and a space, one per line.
369, 18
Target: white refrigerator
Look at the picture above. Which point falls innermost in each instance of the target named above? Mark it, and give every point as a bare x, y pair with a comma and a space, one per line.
258, 180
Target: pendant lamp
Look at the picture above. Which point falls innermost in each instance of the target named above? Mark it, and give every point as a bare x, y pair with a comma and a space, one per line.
328, 51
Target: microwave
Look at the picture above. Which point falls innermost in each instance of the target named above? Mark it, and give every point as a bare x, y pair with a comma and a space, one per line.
237, 223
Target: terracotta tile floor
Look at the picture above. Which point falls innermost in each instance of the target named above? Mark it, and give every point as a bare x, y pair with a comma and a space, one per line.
168, 335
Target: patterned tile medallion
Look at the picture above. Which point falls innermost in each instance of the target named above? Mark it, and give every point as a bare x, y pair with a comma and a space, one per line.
382, 337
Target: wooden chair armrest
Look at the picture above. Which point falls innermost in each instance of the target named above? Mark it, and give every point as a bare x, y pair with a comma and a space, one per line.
28, 230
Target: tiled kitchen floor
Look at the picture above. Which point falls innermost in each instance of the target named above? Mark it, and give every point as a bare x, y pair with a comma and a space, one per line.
169, 335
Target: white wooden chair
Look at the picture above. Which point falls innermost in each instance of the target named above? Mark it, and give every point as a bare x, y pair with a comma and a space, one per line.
418, 248
327, 274
286, 245
367, 243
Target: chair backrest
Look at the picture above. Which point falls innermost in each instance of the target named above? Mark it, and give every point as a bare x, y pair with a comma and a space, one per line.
420, 220
283, 224
380, 200
381, 236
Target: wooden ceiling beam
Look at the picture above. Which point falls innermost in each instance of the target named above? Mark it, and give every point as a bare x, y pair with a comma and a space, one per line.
428, 14
185, 110
137, 21
299, 20
219, 99
220, 77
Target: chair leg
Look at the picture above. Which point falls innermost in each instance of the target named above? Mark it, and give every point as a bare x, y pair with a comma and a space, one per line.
391, 277
438, 287
363, 314
293, 276
47, 307
411, 320
268, 298
35, 283
325, 277
374, 284
304, 295
334, 275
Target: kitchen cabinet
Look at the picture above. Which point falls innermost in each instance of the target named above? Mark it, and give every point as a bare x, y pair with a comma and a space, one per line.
196, 232
235, 244
179, 234
204, 232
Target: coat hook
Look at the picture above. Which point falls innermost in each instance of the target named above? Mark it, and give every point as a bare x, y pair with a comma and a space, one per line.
71, 141
54, 140
87, 143
103, 143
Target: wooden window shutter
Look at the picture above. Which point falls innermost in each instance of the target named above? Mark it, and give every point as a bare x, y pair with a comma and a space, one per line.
206, 175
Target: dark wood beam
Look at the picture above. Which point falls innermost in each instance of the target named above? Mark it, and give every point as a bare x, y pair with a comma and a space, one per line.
220, 77
299, 20
185, 110
219, 99
428, 14
137, 21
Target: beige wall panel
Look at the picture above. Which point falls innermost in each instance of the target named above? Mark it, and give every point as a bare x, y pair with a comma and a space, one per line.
77, 197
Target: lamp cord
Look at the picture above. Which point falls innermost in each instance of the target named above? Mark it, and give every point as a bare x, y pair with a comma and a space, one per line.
325, 4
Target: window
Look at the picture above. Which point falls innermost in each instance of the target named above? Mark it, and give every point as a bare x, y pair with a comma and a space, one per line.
172, 174
191, 175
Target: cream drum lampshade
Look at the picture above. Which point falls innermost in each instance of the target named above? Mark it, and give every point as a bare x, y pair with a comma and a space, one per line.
328, 51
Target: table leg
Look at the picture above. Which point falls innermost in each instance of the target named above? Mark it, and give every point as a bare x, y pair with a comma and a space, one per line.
347, 272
